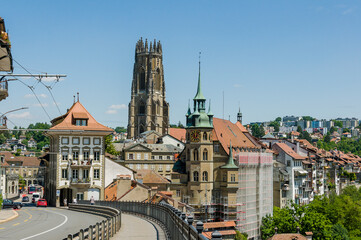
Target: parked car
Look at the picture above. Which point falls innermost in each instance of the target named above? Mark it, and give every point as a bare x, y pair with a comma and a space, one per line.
36, 197
25, 199
7, 203
42, 203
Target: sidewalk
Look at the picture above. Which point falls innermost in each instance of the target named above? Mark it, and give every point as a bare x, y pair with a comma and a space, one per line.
134, 227
7, 215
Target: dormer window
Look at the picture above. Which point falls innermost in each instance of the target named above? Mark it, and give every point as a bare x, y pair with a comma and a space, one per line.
81, 122
80, 119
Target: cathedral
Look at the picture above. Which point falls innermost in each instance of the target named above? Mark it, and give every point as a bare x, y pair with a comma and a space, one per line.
148, 109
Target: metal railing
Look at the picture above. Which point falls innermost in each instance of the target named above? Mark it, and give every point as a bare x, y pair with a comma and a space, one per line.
102, 230
176, 224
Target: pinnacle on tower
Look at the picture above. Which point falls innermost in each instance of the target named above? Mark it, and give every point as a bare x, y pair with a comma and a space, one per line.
199, 95
209, 109
146, 45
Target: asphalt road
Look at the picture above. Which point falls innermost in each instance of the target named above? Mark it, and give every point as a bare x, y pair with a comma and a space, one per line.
46, 223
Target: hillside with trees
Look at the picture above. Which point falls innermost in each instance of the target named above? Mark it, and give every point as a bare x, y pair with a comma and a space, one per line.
333, 217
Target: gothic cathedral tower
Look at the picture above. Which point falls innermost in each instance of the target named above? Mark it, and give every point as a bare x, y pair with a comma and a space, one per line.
148, 109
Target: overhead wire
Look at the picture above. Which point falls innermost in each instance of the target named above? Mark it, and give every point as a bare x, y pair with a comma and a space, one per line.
34, 85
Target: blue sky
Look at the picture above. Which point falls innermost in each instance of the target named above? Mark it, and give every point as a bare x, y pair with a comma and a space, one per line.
273, 58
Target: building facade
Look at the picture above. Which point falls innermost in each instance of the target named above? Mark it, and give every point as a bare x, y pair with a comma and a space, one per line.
148, 109
219, 163
76, 167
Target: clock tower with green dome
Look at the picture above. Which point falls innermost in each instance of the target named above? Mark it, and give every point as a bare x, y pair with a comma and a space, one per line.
199, 149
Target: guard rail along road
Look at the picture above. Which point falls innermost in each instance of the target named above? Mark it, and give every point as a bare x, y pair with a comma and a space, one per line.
102, 230
176, 224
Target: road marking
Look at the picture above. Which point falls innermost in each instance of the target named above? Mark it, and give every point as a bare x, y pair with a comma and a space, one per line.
26, 220
16, 224
66, 219
2, 228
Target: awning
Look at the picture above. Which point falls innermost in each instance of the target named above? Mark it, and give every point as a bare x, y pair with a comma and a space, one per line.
301, 171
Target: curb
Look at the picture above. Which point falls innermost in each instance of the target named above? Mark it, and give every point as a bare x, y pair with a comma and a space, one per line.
10, 218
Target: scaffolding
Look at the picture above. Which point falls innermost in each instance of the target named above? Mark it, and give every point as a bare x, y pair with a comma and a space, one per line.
255, 191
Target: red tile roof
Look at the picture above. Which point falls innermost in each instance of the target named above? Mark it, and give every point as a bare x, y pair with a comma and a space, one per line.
225, 131
284, 147
151, 177
219, 224
66, 122
288, 236
178, 133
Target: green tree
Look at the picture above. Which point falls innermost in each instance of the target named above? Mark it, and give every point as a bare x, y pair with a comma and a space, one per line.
333, 129
109, 147
120, 130
2, 138
305, 135
18, 152
276, 125
240, 236
25, 142
299, 129
337, 124
278, 119
339, 232
327, 138
257, 130
345, 130
308, 118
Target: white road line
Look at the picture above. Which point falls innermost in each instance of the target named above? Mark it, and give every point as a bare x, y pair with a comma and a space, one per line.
66, 219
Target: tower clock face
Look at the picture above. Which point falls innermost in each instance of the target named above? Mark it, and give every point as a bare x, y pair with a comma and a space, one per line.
195, 136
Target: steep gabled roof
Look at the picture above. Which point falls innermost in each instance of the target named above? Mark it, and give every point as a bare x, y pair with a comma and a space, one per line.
225, 132
66, 121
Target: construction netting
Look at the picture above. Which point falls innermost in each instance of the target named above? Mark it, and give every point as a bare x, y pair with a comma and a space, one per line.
255, 192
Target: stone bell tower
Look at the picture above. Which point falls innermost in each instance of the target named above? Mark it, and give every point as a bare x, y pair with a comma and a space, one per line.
148, 109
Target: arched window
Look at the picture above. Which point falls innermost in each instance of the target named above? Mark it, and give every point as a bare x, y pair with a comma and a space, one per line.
205, 155
157, 80
142, 80
195, 155
205, 136
205, 176
195, 176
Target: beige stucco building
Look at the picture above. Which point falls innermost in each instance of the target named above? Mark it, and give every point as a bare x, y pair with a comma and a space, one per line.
76, 167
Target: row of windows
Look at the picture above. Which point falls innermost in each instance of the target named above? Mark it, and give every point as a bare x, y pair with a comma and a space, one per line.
86, 155
205, 177
168, 167
76, 140
196, 155
131, 156
75, 173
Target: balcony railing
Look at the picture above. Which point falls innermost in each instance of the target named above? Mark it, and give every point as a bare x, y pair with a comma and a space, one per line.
80, 181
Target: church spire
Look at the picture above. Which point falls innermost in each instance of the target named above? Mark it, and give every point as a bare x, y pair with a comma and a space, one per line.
199, 95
